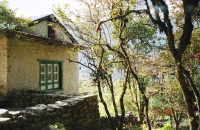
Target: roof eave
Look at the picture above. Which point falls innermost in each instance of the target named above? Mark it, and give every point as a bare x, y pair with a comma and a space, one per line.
12, 34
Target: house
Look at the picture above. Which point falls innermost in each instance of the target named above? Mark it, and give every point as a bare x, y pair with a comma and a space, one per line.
36, 59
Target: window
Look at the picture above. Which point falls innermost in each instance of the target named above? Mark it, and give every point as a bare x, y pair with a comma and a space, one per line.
51, 30
50, 75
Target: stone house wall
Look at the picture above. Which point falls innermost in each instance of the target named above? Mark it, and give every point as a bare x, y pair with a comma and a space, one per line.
3, 65
21, 68
74, 112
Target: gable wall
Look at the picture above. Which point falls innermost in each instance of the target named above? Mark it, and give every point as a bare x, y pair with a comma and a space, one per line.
3, 65
24, 67
41, 29
60, 35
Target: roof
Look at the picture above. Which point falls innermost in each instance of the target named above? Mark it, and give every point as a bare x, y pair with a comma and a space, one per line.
24, 36
12, 34
53, 18
34, 18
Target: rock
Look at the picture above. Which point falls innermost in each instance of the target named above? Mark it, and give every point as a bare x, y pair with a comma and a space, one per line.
4, 113
15, 113
53, 106
75, 112
39, 109
16, 124
63, 104
50, 110
66, 115
71, 101
4, 122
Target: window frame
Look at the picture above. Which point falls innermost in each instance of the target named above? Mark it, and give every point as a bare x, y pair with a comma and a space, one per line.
51, 32
60, 74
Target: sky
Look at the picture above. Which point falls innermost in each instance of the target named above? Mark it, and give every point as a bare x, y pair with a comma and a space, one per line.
36, 7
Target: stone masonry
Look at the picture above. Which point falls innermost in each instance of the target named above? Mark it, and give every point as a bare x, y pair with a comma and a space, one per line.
40, 110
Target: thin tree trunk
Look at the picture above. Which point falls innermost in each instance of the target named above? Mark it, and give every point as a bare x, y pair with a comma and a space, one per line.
105, 105
195, 91
122, 100
140, 108
113, 96
176, 121
146, 112
171, 123
139, 86
188, 97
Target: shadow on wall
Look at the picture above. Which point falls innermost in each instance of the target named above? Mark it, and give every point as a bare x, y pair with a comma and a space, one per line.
3, 91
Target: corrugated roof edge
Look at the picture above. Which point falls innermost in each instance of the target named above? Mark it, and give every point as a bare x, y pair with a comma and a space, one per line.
34, 18
35, 38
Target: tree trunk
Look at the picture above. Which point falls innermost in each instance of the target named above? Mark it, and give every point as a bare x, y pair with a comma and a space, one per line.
122, 100
146, 112
177, 119
105, 105
195, 90
171, 123
188, 97
177, 125
113, 95
138, 103
140, 111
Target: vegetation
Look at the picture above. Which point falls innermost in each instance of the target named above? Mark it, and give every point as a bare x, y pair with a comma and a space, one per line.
9, 20
158, 70
57, 126
153, 45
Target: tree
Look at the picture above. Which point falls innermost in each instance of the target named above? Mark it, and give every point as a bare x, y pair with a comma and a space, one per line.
8, 19
178, 45
120, 13
111, 46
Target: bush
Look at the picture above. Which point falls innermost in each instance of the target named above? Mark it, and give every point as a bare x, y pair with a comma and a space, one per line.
167, 126
57, 126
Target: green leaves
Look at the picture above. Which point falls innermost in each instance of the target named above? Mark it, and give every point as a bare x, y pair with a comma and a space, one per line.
8, 19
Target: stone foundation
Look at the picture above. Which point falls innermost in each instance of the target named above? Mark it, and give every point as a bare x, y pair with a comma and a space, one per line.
41, 110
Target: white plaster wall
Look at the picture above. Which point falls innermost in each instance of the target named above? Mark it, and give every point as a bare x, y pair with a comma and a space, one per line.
60, 34
24, 67
41, 29
71, 74
3, 65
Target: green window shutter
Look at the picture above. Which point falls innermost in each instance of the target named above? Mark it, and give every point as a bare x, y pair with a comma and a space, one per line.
50, 74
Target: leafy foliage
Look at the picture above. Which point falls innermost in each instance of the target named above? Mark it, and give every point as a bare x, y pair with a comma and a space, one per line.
123, 37
8, 19
57, 126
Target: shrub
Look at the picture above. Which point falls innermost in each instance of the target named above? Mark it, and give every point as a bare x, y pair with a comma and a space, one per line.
57, 126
